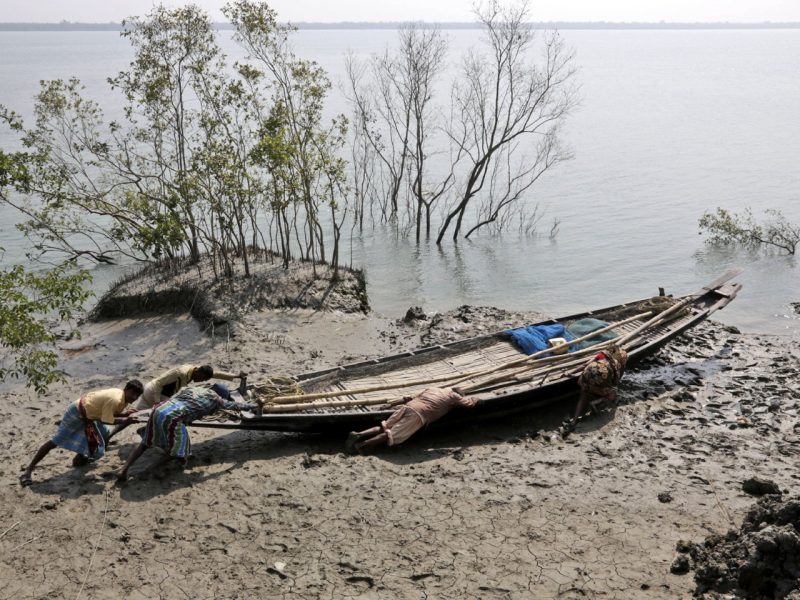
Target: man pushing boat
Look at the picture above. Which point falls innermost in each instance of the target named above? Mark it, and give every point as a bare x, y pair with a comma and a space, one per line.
83, 427
599, 378
169, 383
417, 412
166, 427
173, 381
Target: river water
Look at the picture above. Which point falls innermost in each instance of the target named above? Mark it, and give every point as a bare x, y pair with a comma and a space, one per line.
671, 123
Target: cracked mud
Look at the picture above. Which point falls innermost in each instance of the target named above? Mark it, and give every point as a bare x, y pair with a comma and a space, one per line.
496, 510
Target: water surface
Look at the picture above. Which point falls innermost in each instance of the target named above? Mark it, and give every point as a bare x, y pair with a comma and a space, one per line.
672, 123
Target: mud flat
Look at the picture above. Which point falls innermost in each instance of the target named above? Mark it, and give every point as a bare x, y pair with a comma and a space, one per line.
497, 510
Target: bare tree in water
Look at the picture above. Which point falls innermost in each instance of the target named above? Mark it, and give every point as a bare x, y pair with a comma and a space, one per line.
424, 52
501, 102
393, 119
505, 109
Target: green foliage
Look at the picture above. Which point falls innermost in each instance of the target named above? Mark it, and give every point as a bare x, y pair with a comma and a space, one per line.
13, 169
725, 227
30, 304
298, 150
209, 158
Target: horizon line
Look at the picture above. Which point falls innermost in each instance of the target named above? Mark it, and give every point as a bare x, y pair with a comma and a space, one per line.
116, 25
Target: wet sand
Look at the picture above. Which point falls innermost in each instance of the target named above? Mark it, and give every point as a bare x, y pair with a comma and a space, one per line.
498, 510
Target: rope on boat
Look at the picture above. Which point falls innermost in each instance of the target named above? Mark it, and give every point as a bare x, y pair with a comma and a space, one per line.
277, 385
262, 394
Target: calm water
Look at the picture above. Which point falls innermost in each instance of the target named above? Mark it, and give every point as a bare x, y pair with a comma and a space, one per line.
672, 123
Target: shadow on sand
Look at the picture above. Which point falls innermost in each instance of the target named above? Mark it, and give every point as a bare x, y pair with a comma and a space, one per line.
156, 475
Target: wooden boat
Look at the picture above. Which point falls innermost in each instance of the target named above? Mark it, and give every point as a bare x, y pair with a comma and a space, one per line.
359, 395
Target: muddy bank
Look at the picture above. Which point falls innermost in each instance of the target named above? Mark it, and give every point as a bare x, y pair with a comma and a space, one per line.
221, 303
761, 559
505, 509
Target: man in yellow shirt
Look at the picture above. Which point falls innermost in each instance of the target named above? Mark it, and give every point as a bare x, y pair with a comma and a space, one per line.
83, 426
171, 382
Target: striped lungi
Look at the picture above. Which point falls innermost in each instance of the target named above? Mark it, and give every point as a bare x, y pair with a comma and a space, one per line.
166, 429
71, 433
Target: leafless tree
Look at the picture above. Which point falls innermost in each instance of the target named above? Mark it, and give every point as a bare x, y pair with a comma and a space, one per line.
382, 113
422, 53
363, 157
501, 102
393, 118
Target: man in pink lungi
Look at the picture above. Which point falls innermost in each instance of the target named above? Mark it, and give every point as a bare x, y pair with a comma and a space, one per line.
417, 412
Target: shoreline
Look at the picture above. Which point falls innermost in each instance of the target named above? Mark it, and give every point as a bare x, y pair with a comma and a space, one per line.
497, 510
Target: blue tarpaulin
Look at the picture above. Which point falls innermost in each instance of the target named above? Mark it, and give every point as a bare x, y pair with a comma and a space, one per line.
533, 338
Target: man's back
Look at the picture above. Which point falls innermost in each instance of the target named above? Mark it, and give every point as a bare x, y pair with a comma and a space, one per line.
434, 403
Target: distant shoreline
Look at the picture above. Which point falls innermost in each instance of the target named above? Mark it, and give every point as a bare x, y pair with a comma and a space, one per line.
69, 26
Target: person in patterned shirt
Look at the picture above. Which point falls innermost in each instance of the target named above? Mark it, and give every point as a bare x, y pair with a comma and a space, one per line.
599, 378
166, 427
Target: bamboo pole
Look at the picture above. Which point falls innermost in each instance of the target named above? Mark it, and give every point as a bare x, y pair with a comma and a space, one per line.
656, 320
717, 283
536, 371
280, 408
394, 400
365, 390
592, 349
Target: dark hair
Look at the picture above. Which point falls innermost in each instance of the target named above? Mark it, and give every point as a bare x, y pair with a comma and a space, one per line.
205, 371
136, 386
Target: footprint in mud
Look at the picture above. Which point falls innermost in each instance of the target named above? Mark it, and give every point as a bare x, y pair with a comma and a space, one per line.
363, 581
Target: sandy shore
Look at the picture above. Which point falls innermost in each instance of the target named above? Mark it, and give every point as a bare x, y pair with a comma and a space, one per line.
502, 510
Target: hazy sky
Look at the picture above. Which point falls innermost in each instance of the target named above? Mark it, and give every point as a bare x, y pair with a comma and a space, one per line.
423, 10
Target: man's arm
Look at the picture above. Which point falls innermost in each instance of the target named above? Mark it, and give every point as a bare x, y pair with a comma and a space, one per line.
229, 376
240, 406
